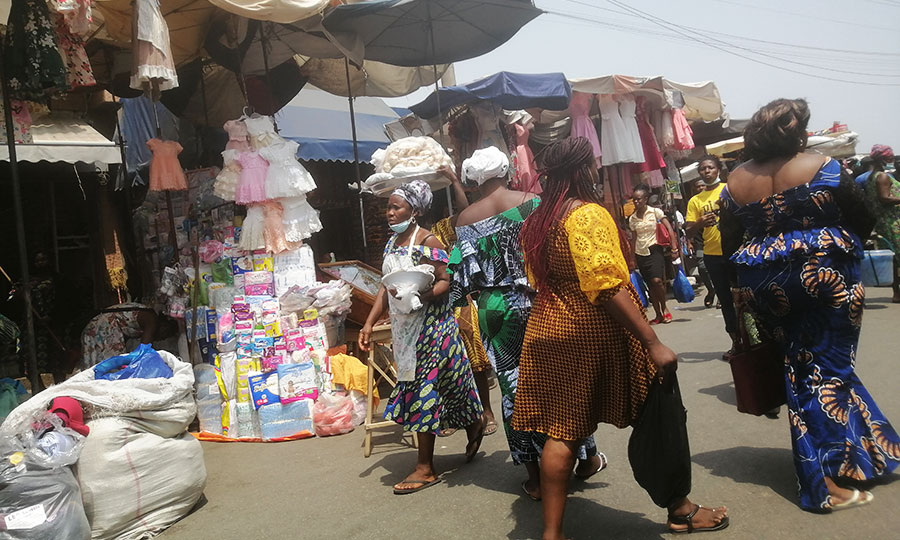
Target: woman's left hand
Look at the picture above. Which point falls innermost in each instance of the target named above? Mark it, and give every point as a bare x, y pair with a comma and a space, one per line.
675, 252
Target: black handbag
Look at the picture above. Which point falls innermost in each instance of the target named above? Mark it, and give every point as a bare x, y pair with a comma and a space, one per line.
658, 448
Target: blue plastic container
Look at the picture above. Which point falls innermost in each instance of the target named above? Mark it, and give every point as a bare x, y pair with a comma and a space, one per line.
878, 268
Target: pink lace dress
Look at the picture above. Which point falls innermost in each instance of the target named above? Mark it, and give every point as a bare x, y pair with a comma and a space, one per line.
653, 159
273, 229
684, 135
166, 173
252, 187
526, 174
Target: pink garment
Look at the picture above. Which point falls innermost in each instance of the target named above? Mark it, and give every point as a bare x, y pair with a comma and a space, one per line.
582, 126
166, 173
238, 137
252, 187
684, 135
653, 159
526, 175
273, 231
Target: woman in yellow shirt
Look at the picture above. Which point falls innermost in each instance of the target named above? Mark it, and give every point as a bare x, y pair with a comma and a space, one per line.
589, 355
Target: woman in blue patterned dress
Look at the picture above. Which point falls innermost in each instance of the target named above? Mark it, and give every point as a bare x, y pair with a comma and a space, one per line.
798, 269
436, 389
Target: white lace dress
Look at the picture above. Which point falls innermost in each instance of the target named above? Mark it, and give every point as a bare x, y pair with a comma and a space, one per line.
228, 178
628, 111
300, 219
262, 131
615, 139
286, 176
253, 230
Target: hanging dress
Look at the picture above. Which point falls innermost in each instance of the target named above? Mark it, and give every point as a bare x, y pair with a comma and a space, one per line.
33, 65
653, 160
273, 229
153, 65
286, 177
436, 389
166, 173
613, 134
527, 176
253, 230
628, 110
71, 49
252, 187
228, 178
582, 126
300, 219
238, 137
684, 135
665, 131
262, 131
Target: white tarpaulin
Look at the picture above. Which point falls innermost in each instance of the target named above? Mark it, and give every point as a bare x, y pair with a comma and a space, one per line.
64, 139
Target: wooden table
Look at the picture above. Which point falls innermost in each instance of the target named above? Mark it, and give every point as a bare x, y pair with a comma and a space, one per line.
381, 335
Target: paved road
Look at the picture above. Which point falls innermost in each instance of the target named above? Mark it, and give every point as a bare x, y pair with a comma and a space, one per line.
324, 488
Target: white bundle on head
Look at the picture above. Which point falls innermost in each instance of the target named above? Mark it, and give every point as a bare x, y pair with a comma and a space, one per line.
485, 164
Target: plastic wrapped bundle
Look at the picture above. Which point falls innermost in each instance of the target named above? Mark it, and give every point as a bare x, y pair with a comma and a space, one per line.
412, 155
333, 415
282, 420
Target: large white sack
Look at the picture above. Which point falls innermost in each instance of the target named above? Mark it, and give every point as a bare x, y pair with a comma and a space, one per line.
135, 484
139, 471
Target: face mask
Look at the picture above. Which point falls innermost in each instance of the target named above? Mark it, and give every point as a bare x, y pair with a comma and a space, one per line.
402, 226
714, 182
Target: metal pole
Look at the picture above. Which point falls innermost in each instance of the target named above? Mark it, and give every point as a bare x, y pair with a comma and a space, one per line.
265, 54
362, 213
437, 95
33, 374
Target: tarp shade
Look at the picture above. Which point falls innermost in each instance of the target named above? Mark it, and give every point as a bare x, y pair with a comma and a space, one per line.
64, 139
511, 91
320, 123
700, 100
281, 11
373, 79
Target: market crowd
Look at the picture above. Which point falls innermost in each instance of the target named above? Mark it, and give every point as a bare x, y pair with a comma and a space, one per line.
539, 289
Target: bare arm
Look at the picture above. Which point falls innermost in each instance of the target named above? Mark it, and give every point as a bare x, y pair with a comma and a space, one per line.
883, 185
378, 309
441, 278
621, 307
459, 194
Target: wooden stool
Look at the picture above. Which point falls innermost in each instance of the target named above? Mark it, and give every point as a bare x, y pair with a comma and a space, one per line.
379, 343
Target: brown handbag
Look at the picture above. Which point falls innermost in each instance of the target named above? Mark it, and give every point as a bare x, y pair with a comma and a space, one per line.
758, 373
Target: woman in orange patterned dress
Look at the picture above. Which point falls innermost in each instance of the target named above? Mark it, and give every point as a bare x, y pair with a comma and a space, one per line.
589, 355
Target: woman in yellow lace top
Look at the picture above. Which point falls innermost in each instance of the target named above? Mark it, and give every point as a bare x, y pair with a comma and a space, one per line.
589, 355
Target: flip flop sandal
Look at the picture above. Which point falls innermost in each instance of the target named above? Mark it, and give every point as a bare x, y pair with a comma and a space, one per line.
655, 321
667, 318
530, 496
490, 428
855, 500
446, 432
689, 521
603, 464
420, 485
708, 301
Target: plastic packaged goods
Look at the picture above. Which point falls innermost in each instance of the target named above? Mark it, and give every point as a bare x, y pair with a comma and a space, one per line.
142, 363
333, 415
281, 420
38, 503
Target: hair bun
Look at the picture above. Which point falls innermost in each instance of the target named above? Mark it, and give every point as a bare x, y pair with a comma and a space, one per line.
778, 129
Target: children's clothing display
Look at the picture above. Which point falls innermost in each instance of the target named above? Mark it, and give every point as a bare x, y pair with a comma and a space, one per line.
300, 219
71, 49
582, 126
153, 66
286, 177
165, 169
238, 137
228, 178
252, 186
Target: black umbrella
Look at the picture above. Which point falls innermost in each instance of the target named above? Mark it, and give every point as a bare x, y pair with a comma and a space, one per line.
423, 32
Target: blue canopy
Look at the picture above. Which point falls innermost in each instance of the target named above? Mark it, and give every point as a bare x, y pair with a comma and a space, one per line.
512, 91
320, 123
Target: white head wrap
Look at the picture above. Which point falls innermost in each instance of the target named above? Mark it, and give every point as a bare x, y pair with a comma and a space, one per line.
485, 164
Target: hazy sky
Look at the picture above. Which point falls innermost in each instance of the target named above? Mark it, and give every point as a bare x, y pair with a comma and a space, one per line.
585, 38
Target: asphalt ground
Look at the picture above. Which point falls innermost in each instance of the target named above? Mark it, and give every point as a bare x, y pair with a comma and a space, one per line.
325, 488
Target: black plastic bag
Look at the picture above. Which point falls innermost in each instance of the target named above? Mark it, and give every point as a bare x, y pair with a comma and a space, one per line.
658, 448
